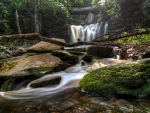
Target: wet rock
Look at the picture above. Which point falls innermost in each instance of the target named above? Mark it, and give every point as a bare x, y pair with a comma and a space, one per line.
66, 56
8, 85
100, 51
105, 62
44, 47
36, 65
87, 58
45, 82
76, 53
131, 78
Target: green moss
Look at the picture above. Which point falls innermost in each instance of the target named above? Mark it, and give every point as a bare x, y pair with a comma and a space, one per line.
43, 70
122, 79
8, 85
7, 65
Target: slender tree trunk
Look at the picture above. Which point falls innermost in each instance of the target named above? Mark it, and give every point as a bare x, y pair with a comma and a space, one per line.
36, 16
17, 22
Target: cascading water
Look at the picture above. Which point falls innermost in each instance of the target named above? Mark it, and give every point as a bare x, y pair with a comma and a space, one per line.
65, 97
88, 32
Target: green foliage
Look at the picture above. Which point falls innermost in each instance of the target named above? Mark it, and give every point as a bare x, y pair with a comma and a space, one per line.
136, 39
51, 13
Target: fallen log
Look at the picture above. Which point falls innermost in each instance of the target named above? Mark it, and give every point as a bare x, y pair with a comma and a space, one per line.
114, 37
36, 36
15, 36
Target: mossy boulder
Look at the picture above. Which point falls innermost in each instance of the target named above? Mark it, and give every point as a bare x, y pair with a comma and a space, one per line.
8, 85
66, 56
131, 78
35, 65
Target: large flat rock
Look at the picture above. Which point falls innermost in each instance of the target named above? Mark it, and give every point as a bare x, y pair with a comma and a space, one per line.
36, 65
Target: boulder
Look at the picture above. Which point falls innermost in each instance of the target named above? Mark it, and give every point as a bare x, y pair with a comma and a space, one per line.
66, 56
100, 51
8, 85
51, 81
87, 58
44, 47
35, 65
130, 78
105, 62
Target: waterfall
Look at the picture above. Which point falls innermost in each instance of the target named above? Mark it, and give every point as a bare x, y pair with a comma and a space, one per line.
88, 32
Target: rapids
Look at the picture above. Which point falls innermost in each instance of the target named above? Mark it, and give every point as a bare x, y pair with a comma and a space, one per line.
66, 98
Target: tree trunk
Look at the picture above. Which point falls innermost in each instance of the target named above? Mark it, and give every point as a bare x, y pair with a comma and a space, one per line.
36, 16
17, 22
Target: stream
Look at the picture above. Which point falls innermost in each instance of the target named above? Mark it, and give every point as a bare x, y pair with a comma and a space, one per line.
65, 97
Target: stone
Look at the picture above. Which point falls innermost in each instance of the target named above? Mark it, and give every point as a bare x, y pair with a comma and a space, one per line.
100, 51
87, 58
8, 85
130, 78
66, 56
44, 47
52, 81
35, 65
105, 62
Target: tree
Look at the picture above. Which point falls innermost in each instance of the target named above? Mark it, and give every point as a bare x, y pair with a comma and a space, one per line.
36, 15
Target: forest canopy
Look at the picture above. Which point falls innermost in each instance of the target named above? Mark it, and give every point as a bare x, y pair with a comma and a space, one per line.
53, 15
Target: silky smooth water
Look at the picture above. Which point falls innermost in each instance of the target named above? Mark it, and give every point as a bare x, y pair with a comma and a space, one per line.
88, 32
67, 98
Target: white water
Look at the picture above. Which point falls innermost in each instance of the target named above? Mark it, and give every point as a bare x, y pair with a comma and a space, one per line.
69, 80
88, 32
66, 95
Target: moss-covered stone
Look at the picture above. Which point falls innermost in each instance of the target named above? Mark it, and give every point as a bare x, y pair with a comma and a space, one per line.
131, 78
32, 65
44, 70
7, 85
